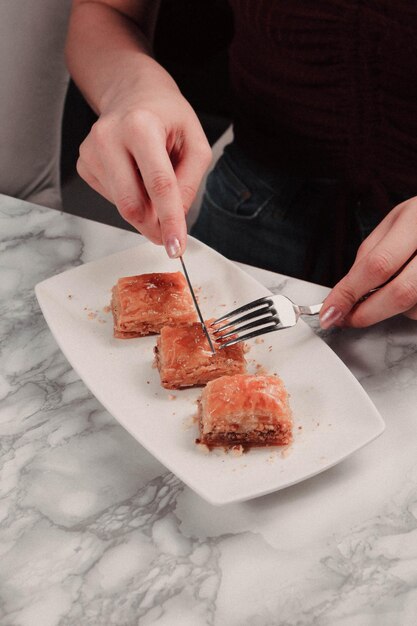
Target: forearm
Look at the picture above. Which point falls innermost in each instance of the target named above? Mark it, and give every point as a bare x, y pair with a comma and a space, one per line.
109, 49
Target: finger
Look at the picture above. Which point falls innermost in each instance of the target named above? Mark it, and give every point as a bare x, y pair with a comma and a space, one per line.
108, 167
86, 174
161, 184
128, 194
191, 167
398, 296
89, 164
376, 235
138, 213
372, 270
412, 313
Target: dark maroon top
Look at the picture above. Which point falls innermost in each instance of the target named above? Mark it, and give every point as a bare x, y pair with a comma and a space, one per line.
328, 88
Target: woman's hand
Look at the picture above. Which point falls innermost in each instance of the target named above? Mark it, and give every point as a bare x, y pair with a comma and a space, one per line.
147, 154
388, 254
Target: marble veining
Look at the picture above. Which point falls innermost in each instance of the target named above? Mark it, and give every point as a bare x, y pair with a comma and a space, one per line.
95, 531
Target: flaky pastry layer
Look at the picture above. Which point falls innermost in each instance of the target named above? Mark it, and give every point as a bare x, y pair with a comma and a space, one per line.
143, 304
245, 409
184, 358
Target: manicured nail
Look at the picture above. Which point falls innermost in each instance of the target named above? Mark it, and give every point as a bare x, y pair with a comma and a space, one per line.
330, 316
173, 248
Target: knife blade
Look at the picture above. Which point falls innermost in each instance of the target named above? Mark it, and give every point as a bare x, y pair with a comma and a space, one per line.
196, 306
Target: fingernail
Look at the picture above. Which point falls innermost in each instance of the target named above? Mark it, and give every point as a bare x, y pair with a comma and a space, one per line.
173, 248
330, 316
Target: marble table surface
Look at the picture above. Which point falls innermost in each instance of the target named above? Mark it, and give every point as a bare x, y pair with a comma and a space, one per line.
95, 531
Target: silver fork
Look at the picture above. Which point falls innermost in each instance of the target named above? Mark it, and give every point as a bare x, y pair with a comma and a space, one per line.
267, 315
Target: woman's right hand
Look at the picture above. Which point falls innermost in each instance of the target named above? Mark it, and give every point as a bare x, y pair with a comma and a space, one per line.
147, 154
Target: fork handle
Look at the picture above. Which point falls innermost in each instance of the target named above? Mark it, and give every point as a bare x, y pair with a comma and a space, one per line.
309, 310
316, 308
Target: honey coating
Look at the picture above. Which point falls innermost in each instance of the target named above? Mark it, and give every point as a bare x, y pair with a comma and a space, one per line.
148, 295
247, 409
187, 344
184, 357
143, 304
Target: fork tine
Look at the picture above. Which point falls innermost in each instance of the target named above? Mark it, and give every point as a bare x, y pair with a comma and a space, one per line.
256, 324
255, 333
245, 307
248, 316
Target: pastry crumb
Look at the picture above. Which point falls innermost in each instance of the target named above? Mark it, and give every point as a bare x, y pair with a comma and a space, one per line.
237, 450
286, 451
203, 448
259, 340
107, 309
188, 422
172, 396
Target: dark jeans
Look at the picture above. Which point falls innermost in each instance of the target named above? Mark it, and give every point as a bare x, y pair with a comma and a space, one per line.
307, 228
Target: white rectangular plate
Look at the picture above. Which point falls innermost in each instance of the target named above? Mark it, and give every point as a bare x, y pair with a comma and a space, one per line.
333, 415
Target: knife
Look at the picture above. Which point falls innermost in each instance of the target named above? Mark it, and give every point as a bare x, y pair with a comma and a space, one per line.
196, 306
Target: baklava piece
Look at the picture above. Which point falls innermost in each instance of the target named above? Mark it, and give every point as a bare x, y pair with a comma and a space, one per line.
143, 304
184, 358
245, 410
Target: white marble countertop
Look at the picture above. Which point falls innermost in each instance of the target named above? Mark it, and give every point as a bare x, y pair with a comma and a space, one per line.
95, 531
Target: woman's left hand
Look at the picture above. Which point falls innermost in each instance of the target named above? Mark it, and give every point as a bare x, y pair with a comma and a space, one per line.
388, 254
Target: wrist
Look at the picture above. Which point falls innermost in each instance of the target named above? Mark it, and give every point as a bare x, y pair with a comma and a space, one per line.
141, 77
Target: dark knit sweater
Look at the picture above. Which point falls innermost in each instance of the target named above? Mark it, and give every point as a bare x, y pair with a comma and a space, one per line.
328, 88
